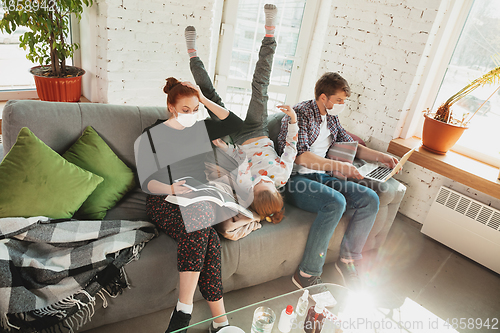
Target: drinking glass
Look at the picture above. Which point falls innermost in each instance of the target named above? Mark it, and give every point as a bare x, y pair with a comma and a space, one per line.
263, 320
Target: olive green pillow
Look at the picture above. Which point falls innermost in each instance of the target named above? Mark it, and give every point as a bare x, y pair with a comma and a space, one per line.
91, 153
37, 181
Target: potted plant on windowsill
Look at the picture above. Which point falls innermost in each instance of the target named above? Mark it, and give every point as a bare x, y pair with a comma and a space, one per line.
48, 43
441, 130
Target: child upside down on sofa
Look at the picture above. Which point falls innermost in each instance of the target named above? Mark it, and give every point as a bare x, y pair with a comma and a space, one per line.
266, 170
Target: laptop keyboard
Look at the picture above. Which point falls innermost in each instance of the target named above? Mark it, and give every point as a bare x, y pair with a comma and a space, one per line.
379, 173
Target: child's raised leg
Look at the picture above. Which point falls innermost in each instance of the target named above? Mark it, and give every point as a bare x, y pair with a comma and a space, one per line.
198, 70
255, 124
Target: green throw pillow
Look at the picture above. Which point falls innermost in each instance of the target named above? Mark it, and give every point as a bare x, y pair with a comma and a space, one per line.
37, 181
91, 153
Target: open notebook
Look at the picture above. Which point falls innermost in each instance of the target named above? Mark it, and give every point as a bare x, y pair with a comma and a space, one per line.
382, 173
204, 192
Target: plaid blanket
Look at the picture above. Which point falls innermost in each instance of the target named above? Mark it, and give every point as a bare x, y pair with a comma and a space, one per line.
52, 270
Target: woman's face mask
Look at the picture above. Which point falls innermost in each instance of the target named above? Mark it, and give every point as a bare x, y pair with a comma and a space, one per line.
185, 104
187, 119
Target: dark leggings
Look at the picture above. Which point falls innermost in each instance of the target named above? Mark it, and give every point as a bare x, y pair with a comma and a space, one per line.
197, 251
255, 124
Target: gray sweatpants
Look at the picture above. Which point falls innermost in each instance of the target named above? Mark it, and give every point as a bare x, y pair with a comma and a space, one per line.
255, 123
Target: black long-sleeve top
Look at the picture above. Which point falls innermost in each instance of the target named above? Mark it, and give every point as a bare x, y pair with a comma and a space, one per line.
179, 153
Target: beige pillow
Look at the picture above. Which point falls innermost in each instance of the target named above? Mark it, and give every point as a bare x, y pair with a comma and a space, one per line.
238, 226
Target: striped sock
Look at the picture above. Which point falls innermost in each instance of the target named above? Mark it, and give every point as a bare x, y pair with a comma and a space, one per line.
190, 34
270, 11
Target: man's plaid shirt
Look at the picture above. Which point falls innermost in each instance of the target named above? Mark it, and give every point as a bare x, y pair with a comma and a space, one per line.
309, 121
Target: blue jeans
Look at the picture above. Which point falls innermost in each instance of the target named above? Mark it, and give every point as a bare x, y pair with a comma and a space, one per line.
330, 197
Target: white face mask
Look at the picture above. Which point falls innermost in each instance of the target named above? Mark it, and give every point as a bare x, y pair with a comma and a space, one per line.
186, 119
335, 110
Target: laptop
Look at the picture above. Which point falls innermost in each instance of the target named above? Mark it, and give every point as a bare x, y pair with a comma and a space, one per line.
382, 173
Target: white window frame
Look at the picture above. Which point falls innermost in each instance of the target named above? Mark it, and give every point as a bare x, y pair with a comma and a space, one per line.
226, 39
18, 94
6, 95
447, 28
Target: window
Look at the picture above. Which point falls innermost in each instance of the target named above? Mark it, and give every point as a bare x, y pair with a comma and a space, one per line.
13, 63
240, 43
16, 82
474, 51
474, 55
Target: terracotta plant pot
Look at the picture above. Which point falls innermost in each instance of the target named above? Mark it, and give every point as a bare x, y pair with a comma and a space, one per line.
66, 89
438, 137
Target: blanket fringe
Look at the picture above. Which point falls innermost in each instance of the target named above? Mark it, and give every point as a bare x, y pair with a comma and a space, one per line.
84, 315
86, 312
85, 308
5, 324
103, 297
125, 276
60, 308
116, 287
136, 252
75, 311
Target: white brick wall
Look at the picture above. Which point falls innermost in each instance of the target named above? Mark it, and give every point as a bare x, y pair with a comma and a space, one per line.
101, 82
377, 45
423, 186
141, 43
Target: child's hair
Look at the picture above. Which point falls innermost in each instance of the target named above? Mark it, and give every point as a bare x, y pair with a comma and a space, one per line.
329, 83
175, 90
269, 206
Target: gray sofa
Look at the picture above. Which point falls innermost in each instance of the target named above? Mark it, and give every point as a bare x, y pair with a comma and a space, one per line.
266, 254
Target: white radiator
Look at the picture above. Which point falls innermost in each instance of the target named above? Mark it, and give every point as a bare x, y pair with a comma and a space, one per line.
465, 225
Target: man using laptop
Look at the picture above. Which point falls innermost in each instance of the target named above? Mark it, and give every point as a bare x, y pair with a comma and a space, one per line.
312, 186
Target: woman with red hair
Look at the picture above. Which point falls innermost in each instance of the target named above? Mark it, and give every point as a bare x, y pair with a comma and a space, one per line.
171, 149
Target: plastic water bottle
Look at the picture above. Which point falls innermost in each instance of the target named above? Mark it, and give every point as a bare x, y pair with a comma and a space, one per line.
302, 304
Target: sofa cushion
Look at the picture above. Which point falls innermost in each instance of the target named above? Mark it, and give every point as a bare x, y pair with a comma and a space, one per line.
91, 153
343, 151
274, 126
131, 207
35, 180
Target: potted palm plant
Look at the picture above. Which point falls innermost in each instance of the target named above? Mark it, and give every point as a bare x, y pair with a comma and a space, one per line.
48, 43
441, 130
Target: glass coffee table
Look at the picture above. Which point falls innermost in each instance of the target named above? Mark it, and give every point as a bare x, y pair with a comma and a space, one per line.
243, 316
353, 312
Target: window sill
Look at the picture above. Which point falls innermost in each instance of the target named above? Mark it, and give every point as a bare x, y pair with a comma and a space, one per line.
465, 170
